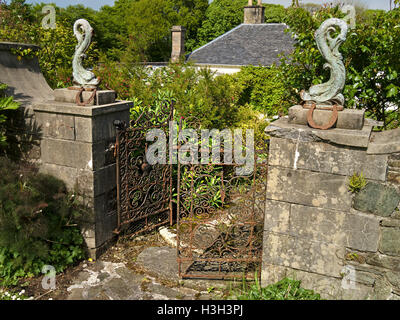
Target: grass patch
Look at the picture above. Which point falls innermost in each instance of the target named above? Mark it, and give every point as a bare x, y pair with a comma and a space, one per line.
285, 289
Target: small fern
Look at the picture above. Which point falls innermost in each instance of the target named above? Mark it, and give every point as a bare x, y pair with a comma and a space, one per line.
357, 182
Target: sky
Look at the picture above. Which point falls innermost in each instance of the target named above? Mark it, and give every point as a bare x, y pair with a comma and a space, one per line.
96, 4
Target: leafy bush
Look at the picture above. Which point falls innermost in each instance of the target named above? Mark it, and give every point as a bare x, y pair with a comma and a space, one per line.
262, 88
285, 289
38, 223
201, 98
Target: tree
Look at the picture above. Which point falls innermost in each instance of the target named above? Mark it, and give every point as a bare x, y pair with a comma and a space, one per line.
112, 30
223, 15
143, 27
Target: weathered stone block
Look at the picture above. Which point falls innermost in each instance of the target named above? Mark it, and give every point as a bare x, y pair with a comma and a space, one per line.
393, 162
308, 188
382, 290
384, 142
343, 229
377, 199
277, 215
67, 174
384, 261
393, 278
324, 157
390, 241
95, 183
106, 222
100, 128
57, 126
390, 223
347, 119
354, 138
303, 254
393, 176
89, 111
67, 153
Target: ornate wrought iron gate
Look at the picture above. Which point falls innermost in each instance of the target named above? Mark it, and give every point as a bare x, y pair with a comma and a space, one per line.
143, 190
220, 220
219, 215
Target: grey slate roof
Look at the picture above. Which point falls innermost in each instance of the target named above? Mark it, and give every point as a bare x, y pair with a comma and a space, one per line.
246, 44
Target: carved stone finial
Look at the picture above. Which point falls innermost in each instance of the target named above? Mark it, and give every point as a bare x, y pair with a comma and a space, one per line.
81, 76
329, 93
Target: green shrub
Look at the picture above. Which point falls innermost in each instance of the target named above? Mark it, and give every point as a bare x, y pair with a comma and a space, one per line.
38, 223
262, 88
205, 101
285, 289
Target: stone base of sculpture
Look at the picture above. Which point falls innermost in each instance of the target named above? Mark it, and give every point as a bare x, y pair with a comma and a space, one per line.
352, 119
101, 97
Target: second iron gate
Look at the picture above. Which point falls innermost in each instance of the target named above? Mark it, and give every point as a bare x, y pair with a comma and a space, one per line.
144, 191
220, 219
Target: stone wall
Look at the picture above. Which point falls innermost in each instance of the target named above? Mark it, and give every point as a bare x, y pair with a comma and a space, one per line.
341, 244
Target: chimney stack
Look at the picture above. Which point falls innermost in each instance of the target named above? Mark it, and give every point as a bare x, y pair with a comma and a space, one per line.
178, 43
254, 14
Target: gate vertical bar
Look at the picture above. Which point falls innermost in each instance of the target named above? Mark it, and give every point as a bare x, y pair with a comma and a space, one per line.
117, 164
178, 203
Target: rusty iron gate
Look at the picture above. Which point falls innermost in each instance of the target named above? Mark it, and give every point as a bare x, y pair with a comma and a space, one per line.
219, 215
220, 220
143, 191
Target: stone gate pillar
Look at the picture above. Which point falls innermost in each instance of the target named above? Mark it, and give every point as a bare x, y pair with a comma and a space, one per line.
77, 146
341, 244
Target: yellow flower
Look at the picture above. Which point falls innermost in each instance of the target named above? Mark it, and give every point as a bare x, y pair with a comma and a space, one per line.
90, 260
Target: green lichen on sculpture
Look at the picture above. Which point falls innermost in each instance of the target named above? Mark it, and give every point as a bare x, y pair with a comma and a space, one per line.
330, 92
82, 77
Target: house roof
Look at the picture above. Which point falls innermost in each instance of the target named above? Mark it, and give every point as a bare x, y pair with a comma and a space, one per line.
246, 44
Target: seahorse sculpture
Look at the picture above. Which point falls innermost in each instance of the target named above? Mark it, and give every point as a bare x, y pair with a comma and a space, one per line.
329, 93
81, 76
